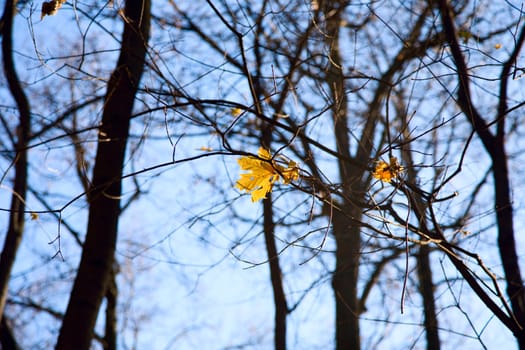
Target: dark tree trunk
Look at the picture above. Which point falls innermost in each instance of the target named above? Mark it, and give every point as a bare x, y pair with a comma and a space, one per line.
281, 307
424, 269
110, 329
426, 289
95, 268
344, 282
7, 339
16, 214
494, 145
506, 240
345, 223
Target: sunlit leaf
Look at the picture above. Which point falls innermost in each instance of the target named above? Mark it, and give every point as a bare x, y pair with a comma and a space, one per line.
385, 171
263, 172
236, 111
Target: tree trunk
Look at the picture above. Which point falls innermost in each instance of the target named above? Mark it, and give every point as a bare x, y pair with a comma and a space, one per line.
7, 339
426, 289
104, 198
344, 281
495, 148
506, 240
110, 329
16, 214
281, 307
346, 230
345, 227
424, 269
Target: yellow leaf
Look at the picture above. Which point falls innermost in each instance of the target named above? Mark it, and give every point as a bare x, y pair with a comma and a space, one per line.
386, 172
236, 111
34, 216
263, 172
497, 46
290, 173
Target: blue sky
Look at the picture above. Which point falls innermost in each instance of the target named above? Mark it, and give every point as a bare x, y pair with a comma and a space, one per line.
191, 253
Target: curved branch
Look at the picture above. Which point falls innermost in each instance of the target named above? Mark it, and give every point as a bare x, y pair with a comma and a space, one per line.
16, 215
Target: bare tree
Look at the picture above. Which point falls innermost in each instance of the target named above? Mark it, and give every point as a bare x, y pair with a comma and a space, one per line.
494, 144
96, 264
20, 142
386, 111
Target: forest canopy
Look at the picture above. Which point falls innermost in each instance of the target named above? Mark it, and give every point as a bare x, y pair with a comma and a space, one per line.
267, 174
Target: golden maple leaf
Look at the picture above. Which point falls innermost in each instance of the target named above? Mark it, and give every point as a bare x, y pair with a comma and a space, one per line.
263, 173
385, 171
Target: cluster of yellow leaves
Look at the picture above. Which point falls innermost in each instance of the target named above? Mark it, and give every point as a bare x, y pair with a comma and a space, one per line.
50, 8
263, 172
386, 172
